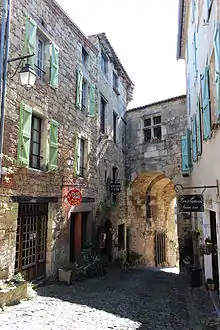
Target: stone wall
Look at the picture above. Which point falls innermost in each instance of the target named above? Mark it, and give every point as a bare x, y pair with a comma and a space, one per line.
154, 167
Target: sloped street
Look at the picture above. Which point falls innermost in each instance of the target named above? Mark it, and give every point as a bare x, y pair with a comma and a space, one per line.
137, 299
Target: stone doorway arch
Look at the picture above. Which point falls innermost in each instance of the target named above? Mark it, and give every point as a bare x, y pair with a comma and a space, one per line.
152, 213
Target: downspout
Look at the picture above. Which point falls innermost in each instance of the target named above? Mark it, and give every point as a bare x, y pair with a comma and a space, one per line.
4, 82
2, 45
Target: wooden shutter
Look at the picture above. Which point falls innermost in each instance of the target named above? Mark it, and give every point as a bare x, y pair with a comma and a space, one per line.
92, 100
206, 105
79, 86
194, 140
24, 136
54, 65
198, 129
53, 145
217, 68
186, 153
77, 155
30, 41
195, 51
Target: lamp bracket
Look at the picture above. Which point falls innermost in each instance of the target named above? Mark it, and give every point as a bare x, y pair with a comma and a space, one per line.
20, 58
179, 187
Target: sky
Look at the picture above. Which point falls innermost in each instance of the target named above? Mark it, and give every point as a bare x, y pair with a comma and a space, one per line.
143, 34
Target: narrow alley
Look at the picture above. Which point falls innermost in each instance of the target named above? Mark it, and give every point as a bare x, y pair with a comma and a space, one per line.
136, 299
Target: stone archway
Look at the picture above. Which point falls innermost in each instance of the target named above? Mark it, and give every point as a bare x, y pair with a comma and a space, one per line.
152, 214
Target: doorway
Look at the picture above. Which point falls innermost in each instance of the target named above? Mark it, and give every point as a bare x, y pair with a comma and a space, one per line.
213, 237
78, 235
30, 258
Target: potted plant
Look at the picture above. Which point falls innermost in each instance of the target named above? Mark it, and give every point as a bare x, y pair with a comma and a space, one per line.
210, 284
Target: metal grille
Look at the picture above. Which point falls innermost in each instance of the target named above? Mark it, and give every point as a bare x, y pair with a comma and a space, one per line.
31, 240
160, 248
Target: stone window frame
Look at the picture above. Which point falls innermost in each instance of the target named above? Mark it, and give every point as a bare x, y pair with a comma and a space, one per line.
85, 56
104, 63
83, 157
152, 127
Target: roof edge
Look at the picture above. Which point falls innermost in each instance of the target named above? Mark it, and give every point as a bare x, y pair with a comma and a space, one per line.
158, 102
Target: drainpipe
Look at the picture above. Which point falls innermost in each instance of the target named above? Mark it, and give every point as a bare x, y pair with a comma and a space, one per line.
4, 81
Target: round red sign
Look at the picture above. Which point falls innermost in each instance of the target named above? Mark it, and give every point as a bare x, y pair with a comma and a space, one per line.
74, 197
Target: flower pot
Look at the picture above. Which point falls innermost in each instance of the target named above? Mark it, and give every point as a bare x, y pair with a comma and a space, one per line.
211, 286
65, 275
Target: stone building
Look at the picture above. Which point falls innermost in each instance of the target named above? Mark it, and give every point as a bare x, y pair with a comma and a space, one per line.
153, 167
52, 139
199, 45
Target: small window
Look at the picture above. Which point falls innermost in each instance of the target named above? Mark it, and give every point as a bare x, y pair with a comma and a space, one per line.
84, 56
114, 180
121, 237
40, 58
102, 115
104, 63
35, 145
152, 129
84, 95
115, 119
115, 81
82, 157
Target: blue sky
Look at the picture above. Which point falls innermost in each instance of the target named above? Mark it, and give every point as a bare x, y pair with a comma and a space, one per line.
144, 36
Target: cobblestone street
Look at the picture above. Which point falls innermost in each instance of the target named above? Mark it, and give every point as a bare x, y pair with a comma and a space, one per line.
137, 299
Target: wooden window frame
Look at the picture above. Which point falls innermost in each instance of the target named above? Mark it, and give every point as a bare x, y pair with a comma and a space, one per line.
34, 142
151, 128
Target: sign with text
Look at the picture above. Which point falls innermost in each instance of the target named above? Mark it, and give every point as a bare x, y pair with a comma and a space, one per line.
190, 203
115, 188
74, 197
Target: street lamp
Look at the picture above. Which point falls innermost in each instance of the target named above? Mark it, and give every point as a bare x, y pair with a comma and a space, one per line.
70, 161
27, 76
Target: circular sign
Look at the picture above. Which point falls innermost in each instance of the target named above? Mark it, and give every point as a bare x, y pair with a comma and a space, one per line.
74, 197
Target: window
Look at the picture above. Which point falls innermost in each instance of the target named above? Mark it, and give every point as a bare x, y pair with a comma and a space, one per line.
115, 119
152, 129
40, 58
121, 237
35, 142
115, 81
104, 63
84, 56
102, 115
84, 95
81, 157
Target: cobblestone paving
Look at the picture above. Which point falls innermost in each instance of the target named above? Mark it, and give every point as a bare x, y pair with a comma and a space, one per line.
137, 299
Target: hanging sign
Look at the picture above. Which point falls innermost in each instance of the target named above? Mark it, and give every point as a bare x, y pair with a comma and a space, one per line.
74, 197
115, 188
190, 203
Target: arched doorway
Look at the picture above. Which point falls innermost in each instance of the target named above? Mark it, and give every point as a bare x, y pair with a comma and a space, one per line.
153, 219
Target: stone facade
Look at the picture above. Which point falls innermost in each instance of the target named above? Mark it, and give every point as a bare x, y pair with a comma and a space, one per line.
52, 102
153, 166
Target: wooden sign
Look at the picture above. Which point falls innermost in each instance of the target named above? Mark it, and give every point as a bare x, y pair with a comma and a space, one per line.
190, 203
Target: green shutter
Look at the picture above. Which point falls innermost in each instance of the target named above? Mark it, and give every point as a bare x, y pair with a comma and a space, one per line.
30, 40
92, 100
54, 65
194, 140
24, 137
198, 129
77, 155
79, 85
195, 51
206, 106
53, 145
217, 68
186, 153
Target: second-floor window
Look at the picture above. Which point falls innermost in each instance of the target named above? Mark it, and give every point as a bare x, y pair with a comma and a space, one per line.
115, 120
40, 58
84, 100
152, 129
81, 157
102, 115
35, 145
104, 63
84, 56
